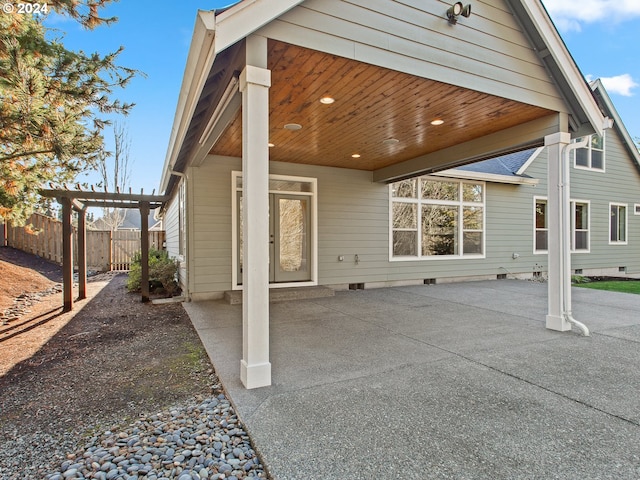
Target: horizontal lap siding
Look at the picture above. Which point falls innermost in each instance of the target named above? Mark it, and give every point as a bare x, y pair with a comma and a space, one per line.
353, 219
211, 225
172, 237
486, 52
619, 183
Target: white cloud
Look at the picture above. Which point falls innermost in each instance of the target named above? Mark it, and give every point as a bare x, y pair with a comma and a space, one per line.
620, 84
570, 15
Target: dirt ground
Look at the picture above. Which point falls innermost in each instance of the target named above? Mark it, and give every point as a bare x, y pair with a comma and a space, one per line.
109, 360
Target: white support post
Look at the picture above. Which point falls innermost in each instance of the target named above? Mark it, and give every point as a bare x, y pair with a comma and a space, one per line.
559, 231
255, 368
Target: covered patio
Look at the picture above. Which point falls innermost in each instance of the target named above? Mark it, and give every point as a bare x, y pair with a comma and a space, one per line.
439, 381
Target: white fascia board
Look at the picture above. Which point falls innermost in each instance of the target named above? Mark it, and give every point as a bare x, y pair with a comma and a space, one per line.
565, 62
199, 60
246, 17
526, 164
618, 124
486, 177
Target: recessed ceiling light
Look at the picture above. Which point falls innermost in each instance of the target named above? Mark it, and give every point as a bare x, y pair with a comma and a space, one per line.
293, 126
327, 100
437, 121
271, 145
355, 155
390, 141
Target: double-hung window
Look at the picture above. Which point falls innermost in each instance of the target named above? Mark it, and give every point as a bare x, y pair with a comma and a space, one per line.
591, 157
541, 237
433, 218
618, 223
579, 225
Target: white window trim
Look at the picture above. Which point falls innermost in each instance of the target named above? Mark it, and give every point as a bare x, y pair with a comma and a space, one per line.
572, 202
636, 208
419, 202
626, 223
573, 230
590, 168
535, 229
314, 226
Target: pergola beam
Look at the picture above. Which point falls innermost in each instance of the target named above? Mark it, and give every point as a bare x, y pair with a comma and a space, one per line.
79, 201
83, 196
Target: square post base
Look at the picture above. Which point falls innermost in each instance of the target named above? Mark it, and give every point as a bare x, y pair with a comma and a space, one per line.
255, 376
558, 323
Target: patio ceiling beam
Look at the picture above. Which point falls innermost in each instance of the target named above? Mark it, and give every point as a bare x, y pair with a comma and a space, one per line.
527, 135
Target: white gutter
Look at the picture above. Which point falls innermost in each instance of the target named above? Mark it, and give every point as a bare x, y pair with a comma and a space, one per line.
565, 248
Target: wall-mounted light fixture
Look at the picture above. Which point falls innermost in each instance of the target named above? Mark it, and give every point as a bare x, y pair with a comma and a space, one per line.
455, 10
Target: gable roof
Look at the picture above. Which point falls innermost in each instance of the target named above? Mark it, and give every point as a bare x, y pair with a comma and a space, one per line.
607, 105
504, 169
217, 38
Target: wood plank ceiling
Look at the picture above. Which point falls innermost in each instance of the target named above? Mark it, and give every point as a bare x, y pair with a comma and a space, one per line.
372, 104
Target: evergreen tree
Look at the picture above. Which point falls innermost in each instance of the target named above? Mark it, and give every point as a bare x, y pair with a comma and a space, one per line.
52, 105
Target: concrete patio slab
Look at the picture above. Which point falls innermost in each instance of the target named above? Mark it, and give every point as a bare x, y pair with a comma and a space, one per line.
439, 381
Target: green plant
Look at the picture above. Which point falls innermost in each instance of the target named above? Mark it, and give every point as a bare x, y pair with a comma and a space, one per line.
578, 279
162, 272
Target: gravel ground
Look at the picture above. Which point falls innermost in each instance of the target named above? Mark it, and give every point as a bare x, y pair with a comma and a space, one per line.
124, 390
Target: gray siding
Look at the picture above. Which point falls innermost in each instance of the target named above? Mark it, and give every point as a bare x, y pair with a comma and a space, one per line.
486, 52
353, 219
172, 238
620, 182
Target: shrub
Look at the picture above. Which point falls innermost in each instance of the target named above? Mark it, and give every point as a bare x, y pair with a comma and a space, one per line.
578, 279
162, 272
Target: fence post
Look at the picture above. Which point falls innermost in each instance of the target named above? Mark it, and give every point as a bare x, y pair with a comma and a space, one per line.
144, 240
82, 254
67, 255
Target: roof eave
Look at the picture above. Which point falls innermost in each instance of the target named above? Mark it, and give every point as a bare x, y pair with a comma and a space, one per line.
574, 85
199, 60
618, 124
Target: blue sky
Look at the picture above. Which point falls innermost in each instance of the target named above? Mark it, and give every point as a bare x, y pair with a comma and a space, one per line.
601, 35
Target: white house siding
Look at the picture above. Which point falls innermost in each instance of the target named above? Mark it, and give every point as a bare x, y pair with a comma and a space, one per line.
210, 202
353, 219
486, 52
619, 183
172, 238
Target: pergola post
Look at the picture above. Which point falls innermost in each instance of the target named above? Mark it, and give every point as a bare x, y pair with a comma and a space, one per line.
255, 80
82, 253
144, 244
558, 240
67, 255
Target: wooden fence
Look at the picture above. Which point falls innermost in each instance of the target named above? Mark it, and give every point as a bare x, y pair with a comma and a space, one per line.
106, 250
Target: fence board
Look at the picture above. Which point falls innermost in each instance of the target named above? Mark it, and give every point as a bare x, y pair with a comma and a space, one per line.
106, 250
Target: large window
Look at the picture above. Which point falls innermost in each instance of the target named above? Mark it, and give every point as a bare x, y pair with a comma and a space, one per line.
579, 226
592, 156
618, 223
436, 218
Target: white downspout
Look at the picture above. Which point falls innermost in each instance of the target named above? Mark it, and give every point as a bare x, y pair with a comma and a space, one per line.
565, 215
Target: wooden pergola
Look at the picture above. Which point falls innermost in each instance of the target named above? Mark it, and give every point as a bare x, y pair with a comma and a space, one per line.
79, 201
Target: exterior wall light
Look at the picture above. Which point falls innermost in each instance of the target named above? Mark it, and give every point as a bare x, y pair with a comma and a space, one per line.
455, 10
